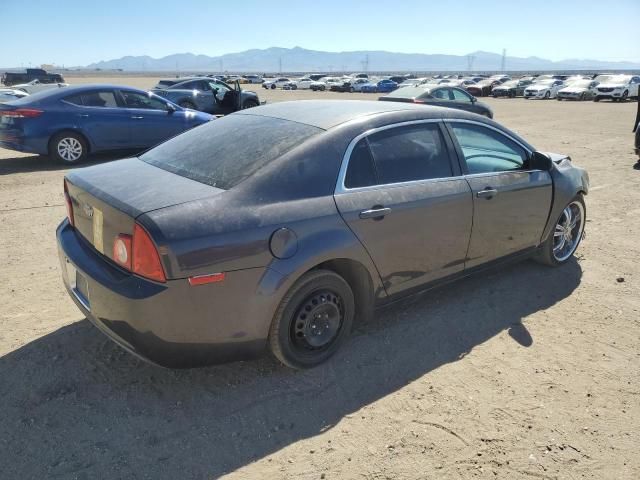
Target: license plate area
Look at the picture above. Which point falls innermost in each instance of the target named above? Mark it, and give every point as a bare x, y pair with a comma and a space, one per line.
78, 285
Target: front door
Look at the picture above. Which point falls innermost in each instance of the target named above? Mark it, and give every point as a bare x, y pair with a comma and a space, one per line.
511, 202
150, 120
404, 199
101, 119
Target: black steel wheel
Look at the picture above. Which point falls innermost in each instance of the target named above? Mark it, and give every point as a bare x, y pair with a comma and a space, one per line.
313, 319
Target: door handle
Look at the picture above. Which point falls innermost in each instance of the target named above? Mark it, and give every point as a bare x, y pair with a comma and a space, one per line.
83, 115
136, 117
487, 193
377, 213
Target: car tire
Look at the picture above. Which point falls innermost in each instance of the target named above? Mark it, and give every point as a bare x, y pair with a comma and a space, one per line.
249, 104
547, 95
596, 99
582, 96
313, 319
273, 86
549, 253
625, 95
187, 104
68, 148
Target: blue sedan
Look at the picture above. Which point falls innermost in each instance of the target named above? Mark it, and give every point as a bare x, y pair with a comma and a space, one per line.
69, 123
383, 86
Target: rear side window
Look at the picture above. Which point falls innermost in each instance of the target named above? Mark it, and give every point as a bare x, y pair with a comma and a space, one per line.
361, 171
75, 99
224, 152
405, 154
99, 99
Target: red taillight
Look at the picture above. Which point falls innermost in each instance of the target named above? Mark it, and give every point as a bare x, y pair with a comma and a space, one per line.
67, 200
122, 250
145, 260
21, 113
138, 254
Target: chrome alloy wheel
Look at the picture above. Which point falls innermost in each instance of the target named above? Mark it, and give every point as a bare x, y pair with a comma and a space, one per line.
69, 149
568, 231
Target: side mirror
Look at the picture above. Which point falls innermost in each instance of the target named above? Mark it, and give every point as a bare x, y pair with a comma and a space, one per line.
540, 161
474, 99
170, 109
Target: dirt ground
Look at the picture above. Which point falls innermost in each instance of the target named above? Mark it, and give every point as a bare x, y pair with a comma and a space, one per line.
528, 372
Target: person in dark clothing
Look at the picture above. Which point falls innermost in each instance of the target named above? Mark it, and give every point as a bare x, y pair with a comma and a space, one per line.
636, 128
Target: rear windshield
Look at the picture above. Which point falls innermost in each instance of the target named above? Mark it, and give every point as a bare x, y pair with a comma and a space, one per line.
224, 152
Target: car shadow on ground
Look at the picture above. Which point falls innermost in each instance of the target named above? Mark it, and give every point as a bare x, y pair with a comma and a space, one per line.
41, 163
74, 405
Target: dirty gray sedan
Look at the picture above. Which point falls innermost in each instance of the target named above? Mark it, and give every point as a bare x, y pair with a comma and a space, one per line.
278, 226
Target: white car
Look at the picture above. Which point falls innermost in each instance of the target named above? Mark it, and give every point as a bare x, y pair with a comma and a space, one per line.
10, 94
253, 78
304, 83
275, 82
328, 82
582, 89
617, 87
35, 86
546, 89
358, 83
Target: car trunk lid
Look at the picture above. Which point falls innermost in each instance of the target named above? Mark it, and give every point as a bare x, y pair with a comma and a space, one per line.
106, 199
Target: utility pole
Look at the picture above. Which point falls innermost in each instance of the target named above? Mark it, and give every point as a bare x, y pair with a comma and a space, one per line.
365, 64
504, 59
470, 59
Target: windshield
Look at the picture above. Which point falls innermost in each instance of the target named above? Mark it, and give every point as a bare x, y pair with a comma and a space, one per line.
580, 83
510, 83
548, 81
224, 152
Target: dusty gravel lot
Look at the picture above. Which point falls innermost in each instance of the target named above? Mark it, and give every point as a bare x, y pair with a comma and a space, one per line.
528, 372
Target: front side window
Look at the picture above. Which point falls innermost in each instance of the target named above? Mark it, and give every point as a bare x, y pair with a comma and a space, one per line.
410, 153
142, 100
486, 150
460, 96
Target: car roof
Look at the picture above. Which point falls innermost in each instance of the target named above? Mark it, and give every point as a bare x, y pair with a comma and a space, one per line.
327, 114
56, 93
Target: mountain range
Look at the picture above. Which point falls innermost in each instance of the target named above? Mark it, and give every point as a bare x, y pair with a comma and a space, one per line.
299, 59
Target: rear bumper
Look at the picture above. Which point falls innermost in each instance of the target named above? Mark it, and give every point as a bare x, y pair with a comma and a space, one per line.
12, 139
174, 324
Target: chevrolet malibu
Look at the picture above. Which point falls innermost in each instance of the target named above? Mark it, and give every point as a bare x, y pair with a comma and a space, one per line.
279, 226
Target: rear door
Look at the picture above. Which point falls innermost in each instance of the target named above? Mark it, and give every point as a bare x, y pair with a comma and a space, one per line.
404, 198
101, 119
150, 120
511, 202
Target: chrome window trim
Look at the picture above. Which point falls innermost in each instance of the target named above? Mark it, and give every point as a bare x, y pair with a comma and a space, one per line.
340, 186
342, 189
491, 127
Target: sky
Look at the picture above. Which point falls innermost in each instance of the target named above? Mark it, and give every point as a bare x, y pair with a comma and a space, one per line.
80, 32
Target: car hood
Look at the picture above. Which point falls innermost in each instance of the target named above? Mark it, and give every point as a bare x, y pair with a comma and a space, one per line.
612, 85
573, 89
538, 87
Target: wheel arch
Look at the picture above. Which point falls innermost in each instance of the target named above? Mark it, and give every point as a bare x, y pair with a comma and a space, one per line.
359, 279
